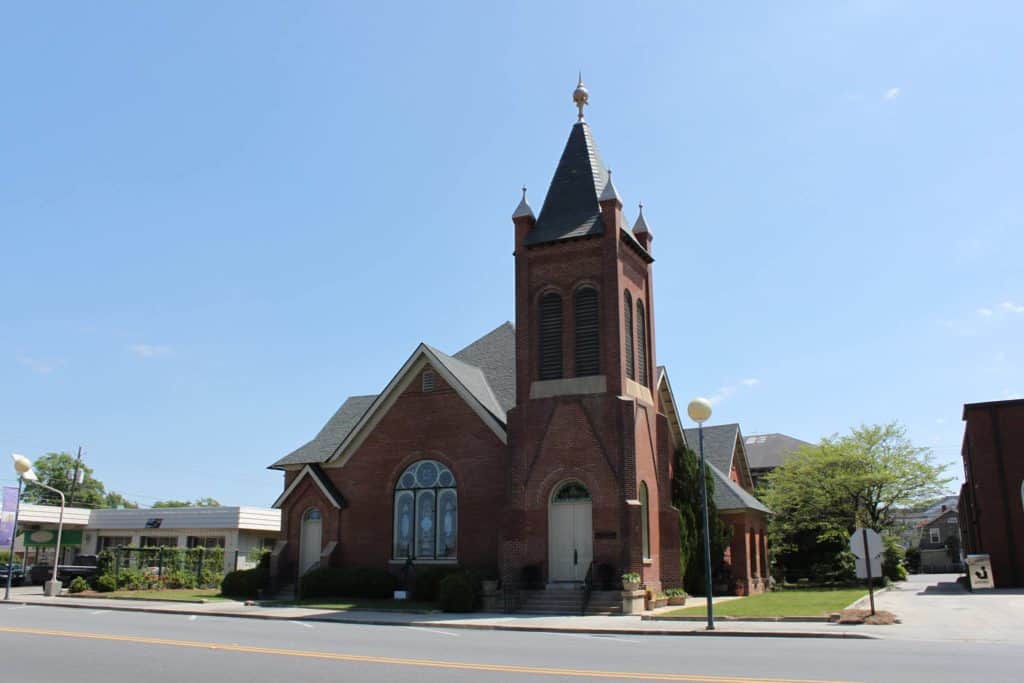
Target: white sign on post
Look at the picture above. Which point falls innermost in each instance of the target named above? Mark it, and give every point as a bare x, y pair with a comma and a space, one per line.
867, 546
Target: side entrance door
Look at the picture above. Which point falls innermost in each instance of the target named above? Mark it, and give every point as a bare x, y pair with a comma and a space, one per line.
570, 533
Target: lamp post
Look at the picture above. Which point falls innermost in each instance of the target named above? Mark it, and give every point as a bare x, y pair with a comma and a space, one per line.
699, 411
23, 466
14, 534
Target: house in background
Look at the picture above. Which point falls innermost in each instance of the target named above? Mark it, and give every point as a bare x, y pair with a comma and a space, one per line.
747, 517
765, 452
992, 497
939, 542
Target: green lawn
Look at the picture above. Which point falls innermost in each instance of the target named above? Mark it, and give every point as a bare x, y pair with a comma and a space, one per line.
809, 602
181, 595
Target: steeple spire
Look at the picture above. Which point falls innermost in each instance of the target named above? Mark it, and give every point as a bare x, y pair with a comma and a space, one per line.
523, 210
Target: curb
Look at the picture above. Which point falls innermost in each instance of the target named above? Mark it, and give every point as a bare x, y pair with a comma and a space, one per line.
795, 620
471, 627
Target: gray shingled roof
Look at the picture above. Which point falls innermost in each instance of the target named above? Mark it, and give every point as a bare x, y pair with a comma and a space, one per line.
570, 207
730, 496
768, 451
719, 444
495, 354
475, 382
333, 433
486, 368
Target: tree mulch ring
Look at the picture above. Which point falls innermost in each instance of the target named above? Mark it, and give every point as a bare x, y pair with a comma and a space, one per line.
864, 616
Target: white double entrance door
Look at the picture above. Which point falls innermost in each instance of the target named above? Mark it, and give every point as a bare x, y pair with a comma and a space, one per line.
570, 540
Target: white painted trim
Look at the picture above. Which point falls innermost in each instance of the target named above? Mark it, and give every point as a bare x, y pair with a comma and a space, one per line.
420, 358
306, 471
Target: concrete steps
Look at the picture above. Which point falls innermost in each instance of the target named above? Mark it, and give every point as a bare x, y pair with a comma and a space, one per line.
569, 601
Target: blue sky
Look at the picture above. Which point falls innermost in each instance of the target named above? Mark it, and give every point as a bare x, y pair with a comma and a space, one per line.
220, 219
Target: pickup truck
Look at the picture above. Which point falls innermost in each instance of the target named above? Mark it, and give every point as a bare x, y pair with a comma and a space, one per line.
85, 566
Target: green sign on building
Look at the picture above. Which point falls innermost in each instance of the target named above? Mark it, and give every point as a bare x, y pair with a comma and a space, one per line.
47, 538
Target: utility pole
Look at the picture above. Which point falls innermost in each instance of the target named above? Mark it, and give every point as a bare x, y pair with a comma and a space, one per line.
74, 476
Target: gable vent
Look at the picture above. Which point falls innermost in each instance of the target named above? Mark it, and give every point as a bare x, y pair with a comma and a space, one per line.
428, 381
550, 365
588, 352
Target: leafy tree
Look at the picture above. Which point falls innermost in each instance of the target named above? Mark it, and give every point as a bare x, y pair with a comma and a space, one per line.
201, 502
58, 470
116, 500
686, 498
824, 492
172, 504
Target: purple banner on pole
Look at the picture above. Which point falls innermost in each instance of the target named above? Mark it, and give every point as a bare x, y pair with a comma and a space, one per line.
10, 504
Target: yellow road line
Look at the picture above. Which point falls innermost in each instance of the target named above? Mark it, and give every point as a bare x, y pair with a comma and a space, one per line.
400, 661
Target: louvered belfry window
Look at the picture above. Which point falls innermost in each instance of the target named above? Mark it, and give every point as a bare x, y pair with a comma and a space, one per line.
588, 350
550, 336
641, 343
627, 312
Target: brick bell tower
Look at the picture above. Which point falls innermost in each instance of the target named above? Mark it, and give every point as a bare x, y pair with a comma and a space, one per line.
589, 482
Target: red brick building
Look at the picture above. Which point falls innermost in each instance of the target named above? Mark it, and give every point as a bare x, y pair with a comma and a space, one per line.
991, 505
543, 445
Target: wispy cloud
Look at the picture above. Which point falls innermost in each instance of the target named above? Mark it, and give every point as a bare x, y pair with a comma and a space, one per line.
1011, 307
149, 350
985, 312
43, 367
892, 93
730, 389
1010, 395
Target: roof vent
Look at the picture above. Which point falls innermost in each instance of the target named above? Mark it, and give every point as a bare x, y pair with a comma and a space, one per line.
428, 381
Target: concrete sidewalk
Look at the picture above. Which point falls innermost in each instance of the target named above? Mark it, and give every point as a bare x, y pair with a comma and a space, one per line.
618, 625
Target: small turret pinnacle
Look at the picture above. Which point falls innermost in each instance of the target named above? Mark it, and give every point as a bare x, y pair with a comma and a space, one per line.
523, 210
609, 191
641, 224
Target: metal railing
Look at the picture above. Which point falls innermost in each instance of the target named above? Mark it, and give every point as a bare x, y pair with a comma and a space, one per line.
588, 588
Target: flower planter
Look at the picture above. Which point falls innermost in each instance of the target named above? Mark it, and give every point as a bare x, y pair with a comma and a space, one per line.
630, 586
677, 600
489, 586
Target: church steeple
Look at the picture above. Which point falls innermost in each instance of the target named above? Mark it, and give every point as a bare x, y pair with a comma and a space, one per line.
571, 208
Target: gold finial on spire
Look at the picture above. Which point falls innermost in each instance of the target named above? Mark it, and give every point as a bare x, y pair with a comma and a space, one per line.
581, 96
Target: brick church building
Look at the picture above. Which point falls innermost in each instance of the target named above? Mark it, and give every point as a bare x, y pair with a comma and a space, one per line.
544, 445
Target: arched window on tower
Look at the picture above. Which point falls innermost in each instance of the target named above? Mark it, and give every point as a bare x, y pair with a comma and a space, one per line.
588, 351
426, 514
645, 519
550, 366
641, 343
627, 314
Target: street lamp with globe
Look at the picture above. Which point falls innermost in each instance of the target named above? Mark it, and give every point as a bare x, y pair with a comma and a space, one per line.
699, 411
23, 466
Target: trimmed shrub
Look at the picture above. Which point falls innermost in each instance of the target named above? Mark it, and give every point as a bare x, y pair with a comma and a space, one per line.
106, 583
427, 580
245, 583
456, 593
347, 582
78, 585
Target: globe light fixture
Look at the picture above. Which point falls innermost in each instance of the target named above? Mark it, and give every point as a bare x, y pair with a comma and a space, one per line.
23, 467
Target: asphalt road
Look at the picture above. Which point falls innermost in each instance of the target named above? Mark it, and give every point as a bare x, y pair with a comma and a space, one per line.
84, 646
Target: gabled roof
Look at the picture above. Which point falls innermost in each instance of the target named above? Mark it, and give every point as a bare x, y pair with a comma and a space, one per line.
495, 354
768, 451
332, 434
730, 496
570, 208
483, 372
719, 444
322, 481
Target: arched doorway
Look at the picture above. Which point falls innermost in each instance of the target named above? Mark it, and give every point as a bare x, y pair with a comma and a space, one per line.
310, 540
570, 533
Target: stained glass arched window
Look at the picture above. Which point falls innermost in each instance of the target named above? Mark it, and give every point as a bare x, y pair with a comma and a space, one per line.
426, 522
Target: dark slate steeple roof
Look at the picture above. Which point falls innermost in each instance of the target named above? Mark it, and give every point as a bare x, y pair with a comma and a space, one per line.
570, 207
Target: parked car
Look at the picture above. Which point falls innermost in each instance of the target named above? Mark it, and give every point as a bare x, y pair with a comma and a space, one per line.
16, 571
